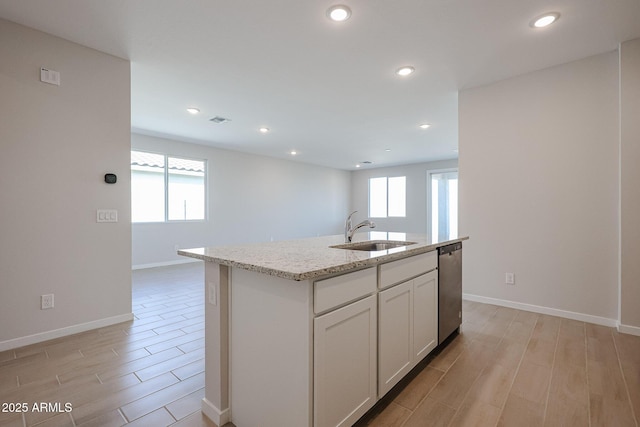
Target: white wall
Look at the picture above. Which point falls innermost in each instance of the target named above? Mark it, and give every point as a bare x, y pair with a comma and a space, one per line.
252, 199
630, 184
539, 188
416, 219
56, 144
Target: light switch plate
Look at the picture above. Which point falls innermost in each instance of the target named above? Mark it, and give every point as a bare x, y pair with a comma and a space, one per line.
107, 215
49, 76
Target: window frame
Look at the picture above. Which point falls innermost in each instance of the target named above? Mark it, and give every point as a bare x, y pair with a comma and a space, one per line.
166, 219
387, 197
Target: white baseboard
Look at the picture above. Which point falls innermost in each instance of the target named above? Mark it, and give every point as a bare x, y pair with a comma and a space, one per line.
164, 263
631, 330
63, 332
210, 411
603, 321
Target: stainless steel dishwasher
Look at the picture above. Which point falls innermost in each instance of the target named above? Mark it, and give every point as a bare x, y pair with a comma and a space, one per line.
449, 290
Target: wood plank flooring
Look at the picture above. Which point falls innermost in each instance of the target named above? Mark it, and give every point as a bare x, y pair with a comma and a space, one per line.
515, 368
148, 372
506, 368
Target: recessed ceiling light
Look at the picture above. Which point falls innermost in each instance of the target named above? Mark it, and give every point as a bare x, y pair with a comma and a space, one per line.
425, 126
293, 152
193, 110
544, 20
405, 71
339, 13
357, 165
387, 149
264, 130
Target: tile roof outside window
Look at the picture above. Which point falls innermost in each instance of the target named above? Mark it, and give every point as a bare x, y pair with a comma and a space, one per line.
140, 158
186, 165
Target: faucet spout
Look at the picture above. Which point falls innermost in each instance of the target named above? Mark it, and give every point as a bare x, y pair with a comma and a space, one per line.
347, 227
349, 230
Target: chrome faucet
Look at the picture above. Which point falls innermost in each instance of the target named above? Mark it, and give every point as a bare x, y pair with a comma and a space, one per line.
349, 231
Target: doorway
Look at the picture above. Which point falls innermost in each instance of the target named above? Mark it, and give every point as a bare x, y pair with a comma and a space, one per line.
442, 204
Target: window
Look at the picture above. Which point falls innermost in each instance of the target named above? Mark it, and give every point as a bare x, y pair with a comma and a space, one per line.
166, 188
387, 197
443, 204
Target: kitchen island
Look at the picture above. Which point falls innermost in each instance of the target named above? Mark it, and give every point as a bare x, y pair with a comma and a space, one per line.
303, 333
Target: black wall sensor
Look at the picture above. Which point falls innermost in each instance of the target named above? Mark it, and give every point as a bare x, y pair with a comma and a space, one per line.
110, 178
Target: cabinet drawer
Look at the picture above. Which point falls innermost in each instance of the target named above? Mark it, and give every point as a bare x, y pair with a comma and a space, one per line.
339, 290
398, 271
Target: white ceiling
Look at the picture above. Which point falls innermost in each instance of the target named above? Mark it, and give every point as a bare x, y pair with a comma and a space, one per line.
325, 89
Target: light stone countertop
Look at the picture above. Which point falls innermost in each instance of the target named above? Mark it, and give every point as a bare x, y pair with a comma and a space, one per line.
313, 257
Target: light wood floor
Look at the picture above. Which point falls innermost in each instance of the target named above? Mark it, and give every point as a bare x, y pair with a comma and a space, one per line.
515, 368
507, 367
148, 372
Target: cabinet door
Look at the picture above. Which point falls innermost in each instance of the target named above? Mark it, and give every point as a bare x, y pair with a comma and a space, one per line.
345, 363
395, 335
425, 315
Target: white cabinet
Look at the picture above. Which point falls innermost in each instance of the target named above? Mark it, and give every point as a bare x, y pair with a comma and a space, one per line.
407, 327
398, 271
319, 352
395, 331
425, 314
345, 350
340, 290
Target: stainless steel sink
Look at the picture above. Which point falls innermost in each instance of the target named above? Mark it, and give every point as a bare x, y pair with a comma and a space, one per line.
373, 245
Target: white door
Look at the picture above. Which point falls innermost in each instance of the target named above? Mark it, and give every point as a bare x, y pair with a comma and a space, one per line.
345, 350
395, 335
425, 315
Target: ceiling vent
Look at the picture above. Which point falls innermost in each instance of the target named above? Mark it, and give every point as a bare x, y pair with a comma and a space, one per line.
366, 162
218, 119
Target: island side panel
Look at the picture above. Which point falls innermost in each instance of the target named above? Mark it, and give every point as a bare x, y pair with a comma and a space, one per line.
215, 404
271, 351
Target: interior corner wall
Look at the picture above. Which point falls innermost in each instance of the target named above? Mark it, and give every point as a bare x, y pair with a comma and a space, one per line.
56, 144
630, 186
251, 198
416, 174
539, 189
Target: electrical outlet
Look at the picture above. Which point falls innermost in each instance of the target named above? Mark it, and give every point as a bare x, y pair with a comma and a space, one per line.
46, 301
510, 278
